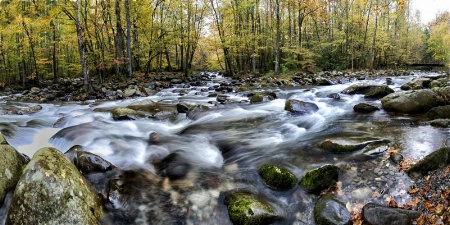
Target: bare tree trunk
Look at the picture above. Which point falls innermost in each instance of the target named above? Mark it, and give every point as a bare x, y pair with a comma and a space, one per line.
129, 59
278, 39
372, 59
119, 37
82, 49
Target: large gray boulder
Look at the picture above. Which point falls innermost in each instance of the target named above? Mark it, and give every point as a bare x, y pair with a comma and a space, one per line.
416, 84
298, 107
51, 190
440, 112
11, 164
154, 109
410, 102
368, 90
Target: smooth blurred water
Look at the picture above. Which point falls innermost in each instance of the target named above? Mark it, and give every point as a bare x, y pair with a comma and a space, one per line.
240, 136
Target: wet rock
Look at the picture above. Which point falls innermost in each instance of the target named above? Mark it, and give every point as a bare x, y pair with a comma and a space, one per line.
396, 158
416, 84
222, 98
174, 166
335, 96
369, 90
32, 109
319, 179
91, 163
246, 208
122, 113
365, 108
35, 90
11, 164
129, 92
277, 177
410, 102
443, 92
298, 107
261, 97
374, 214
330, 211
444, 123
136, 197
183, 107
436, 160
389, 81
321, 81
154, 109
334, 147
197, 111
440, 112
51, 190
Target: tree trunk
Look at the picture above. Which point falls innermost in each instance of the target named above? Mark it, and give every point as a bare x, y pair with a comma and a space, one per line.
372, 59
278, 39
82, 50
119, 38
129, 59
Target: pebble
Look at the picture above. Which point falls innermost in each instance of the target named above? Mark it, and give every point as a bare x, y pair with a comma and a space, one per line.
362, 193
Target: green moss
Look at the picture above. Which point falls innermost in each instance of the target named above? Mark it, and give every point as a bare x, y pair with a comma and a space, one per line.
257, 98
277, 178
319, 179
245, 208
124, 114
438, 159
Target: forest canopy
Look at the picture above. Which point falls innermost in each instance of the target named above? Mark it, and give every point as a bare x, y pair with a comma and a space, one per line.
50, 39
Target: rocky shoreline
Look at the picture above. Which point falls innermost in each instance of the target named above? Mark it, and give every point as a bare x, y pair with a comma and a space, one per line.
96, 191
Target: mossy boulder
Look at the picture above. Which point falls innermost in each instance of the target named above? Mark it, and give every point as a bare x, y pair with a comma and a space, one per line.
298, 107
368, 90
440, 112
416, 84
154, 109
277, 177
411, 102
319, 179
262, 97
246, 208
51, 190
122, 113
11, 164
365, 108
444, 123
436, 160
330, 211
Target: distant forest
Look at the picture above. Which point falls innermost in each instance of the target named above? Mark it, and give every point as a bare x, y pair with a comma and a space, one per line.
119, 39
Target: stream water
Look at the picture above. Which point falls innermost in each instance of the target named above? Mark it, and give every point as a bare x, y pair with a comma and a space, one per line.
232, 140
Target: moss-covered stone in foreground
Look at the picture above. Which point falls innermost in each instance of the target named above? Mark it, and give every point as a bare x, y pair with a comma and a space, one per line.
276, 177
245, 208
51, 191
11, 164
319, 179
436, 160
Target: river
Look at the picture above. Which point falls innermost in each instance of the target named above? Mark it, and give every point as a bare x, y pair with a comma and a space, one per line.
233, 139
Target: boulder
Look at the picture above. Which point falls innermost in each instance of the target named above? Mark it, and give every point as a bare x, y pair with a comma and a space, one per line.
51, 190
197, 111
374, 214
247, 208
261, 97
365, 108
319, 179
298, 107
154, 109
410, 102
11, 165
440, 112
440, 123
91, 163
122, 113
436, 160
369, 90
416, 84
330, 211
444, 93
337, 148
335, 96
129, 92
183, 107
277, 177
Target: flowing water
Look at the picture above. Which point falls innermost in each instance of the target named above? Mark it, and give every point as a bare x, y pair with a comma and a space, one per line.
229, 142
